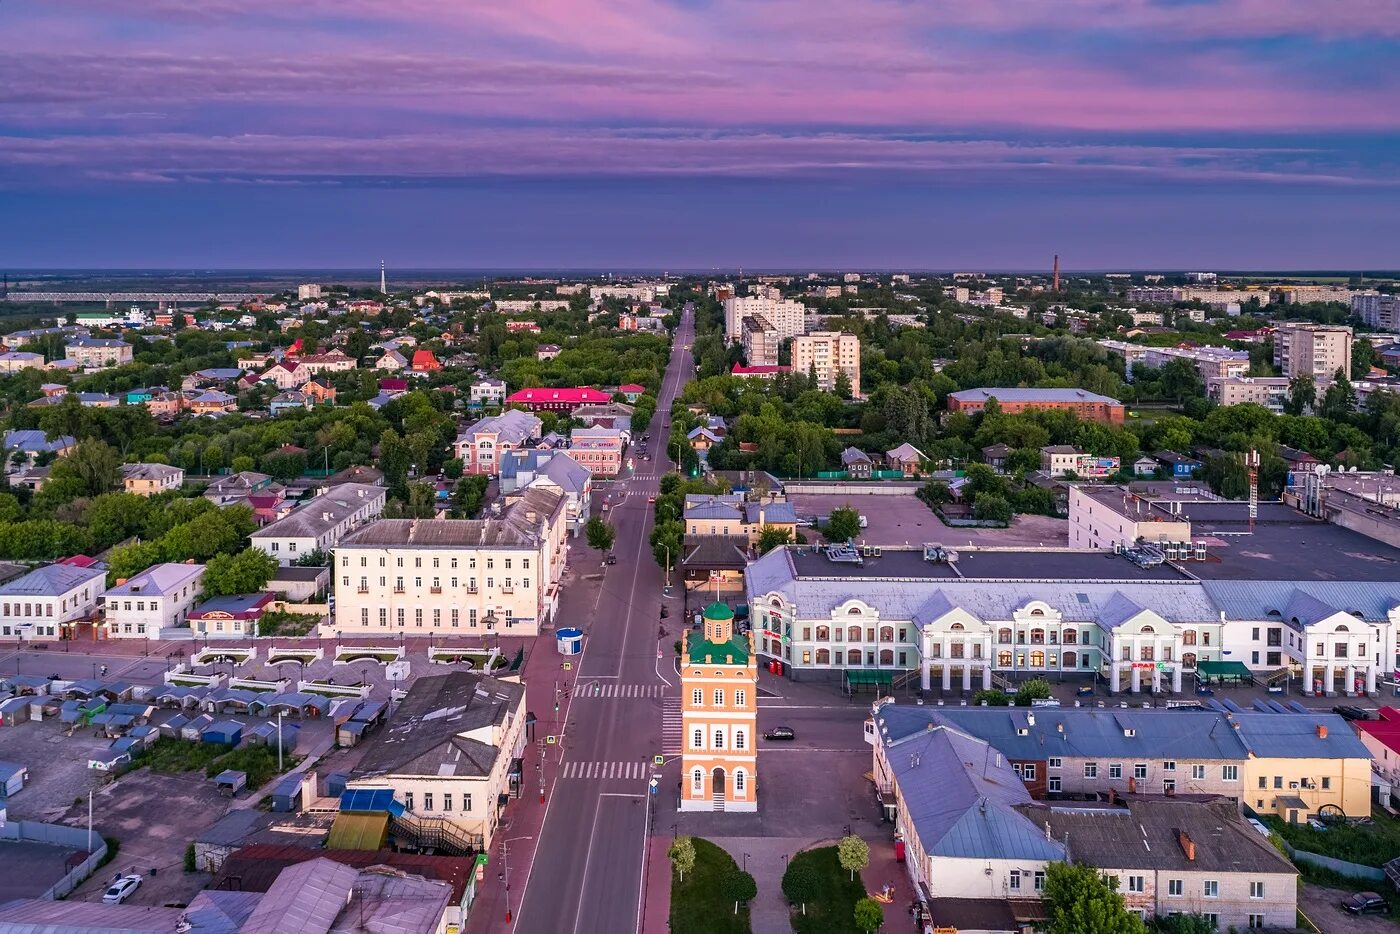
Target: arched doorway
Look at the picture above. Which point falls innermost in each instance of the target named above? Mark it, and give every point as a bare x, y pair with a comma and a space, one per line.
717, 783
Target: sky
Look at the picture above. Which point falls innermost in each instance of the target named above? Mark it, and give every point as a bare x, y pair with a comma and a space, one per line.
695, 134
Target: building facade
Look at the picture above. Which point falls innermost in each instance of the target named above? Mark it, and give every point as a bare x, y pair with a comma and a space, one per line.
719, 714
828, 353
150, 479
1315, 350
598, 450
321, 523
158, 598
760, 341
483, 445
788, 318
43, 605
1014, 400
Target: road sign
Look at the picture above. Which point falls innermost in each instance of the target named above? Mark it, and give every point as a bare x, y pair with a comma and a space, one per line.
658, 760
568, 666
654, 784
551, 739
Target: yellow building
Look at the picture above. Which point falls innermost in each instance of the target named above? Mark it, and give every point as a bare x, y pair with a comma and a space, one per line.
719, 712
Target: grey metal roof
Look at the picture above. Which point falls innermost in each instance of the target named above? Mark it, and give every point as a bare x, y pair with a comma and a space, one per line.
1295, 736
959, 793
52, 580
158, 580
306, 898
1263, 600
713, 509
1024, 394
514, 426
46, 916
323, 513
513, 530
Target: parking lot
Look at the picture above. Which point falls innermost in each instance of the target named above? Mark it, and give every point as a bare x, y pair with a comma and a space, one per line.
905, 520
57, 764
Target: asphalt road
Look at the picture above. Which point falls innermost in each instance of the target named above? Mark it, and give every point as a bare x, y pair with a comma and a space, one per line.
587, 872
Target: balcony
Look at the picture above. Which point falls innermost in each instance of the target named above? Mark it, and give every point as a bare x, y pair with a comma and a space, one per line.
472, 589
508, 589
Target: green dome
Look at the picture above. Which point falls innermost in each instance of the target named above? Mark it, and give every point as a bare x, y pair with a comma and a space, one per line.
718, 611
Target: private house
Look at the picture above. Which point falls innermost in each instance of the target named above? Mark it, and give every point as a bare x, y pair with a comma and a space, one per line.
23, 446
237, 487
212, 402
285, 402
702, 439
158, 598
319, 391
907, 459
487, 392
632, 391
424, 361
150, 479
483, 444
44, 605
1180, 466
857, 464
234, 617
1062, 460
286, 375
333, 361
546, 351
391, 362
995, 456
321, 523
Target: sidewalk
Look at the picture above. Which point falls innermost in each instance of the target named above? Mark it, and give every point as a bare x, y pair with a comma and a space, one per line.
882, 870
524, 817
656, 912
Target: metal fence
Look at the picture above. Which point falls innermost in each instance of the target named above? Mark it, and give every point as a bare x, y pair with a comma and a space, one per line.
1340, 866
59, 835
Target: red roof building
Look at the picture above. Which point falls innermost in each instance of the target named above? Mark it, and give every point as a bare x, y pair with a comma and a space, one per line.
393, 385
762, 372
1382, 738
425, 362
557, 400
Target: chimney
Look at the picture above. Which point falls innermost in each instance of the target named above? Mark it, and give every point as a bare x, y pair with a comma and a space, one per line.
1322, 731
122, 580
1188, 846
1030, 718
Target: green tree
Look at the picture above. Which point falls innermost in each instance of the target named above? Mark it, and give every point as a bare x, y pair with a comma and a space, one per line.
452, 468
393, 460
94, 468
1302, 395
991, 507
868, 914
843, 524
843, 384
1032, 690
113, 517
1338, 401
248, 571
739, 887
126, 561
1078, 899
421, 500
991, 699
772, 536
600, 534
935, 493
801, 885
241, 464
1181, 924
316, 558
469, 496
682, 856
853, 854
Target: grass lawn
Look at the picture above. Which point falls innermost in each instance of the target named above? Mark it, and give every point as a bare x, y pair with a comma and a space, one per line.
178, 755
1368, 844
259, 762
698, 906
287, 624
835, 912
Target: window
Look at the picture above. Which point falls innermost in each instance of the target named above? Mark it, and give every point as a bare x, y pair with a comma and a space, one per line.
1326, 783
1054, 783
1014, 881
427, 800
1198, 772
1091, 770
697, 781
1210, 889
1256, 921
447, 797
719, 739
1140, 770
1115, 770
1256, 890
1169, 766
1230, 773
1040, 880
1174, 888
1135, 884
697, 697
719, 698
739, 781
1028, 771
1054, 762
738, 739
697, 739
408, 800
739, 698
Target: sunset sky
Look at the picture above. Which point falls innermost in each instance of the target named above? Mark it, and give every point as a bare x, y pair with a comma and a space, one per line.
697, 133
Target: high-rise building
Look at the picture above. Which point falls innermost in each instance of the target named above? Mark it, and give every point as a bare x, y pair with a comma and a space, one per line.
760, 341
827, 353
308, 292
788, 318
719, 716
1316, 350
1377, 310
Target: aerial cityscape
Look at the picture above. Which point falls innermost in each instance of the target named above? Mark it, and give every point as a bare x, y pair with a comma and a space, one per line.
683, 467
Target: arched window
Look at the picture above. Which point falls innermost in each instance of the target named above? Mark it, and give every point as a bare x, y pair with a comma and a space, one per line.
738, 739
887, 656
719, 739
1037, 636
1004, 636
1342, 628
1037, 659
697, 739
776, 603
886, 633
957, 627
697, 781
853, 634
1003, 659
823, 656
1069, 636
853, 657
1070, 660
1037, 611
823, 633
1148, 630
853, 611
1188, 660
697, 697
739, 781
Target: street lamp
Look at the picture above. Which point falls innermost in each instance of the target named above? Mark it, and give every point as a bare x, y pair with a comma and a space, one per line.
505, 876
746, 862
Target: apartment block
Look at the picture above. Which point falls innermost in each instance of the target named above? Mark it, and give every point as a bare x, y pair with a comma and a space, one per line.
468, 576
95, 352
760, 341
788, 318
827, 353
1209, 361
1316, 350
1378, 311
1268, 391
321, 523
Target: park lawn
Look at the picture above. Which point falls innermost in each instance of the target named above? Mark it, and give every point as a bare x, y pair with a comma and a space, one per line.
698, 905
835, 912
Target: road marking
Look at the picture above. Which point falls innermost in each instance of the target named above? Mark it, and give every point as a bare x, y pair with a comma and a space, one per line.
630, 691
776, 747
672, 726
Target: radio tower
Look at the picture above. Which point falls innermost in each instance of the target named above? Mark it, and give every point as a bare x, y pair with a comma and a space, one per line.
1056, 284
383, 288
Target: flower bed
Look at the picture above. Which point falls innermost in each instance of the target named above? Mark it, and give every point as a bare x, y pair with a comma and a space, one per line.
210, 656
371, 653
480, 661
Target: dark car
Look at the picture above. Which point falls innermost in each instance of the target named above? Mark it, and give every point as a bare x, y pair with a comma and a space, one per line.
611, 558
780, 732
1366, 903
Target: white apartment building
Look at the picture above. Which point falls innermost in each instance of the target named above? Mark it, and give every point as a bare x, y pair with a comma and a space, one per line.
96, 352
788, 318
1209, 361
1302, 294
1268, 391
41, 605
160, 597
1377, 311
760, 341
1316, 350
515, 306
469, 576
828, 353
309, 291
321, 523
635, 293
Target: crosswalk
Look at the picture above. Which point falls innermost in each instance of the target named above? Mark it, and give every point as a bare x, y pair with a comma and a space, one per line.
607, 689
607, 770
671, 727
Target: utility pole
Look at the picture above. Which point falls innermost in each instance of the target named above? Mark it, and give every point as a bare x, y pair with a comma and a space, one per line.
279, 741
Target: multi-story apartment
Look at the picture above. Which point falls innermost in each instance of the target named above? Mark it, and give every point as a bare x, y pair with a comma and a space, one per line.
13, 361
160, 597
1087, 405
788, 318
150, 479
1268, 391
1209, 361
828, 353
468, 576
1302, 294
446, 756
1376, 310
598, 450
308, 292
719, 716
760, 341
321, 523
42, 605
1316, 350
483, 444
515, 306
95, 352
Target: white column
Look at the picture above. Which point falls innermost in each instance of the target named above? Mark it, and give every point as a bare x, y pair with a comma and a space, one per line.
925, 667
1156, 679
1117, 671
1370, 679
967, 677
947, 676
1176, 678
1137, 680
1330, 684
987, 676
1351, 680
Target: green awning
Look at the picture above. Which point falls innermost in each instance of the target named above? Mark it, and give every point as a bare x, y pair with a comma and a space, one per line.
1237, 671
869, 676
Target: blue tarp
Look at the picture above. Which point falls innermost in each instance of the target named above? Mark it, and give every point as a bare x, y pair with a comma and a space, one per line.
370, 800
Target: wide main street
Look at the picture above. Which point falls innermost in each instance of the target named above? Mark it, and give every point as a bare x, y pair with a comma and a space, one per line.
587, 870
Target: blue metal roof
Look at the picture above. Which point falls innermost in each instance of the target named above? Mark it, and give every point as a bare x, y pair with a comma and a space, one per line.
370, 800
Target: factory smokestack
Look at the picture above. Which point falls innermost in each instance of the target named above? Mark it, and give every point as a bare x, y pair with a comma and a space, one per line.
1056, 284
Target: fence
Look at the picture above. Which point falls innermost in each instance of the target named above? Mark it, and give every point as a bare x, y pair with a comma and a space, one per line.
1339, 866
861, 487
58, 835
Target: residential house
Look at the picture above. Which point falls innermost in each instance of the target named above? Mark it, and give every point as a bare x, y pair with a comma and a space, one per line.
235, 488
319, 391
488, 392
557, 400
483, 444
907, 459
94, 352
447, 755
333, 361
158, 598
1061, 460
13, 361
212, 402
599, 450
286, 375
150, 479
996, 455
321, 523
857, 464
43, 605
1181, 466
392, 361
424, 361
1382, 740
730, 514
234, 617
467, 576
702, 438
24, 445
288, 402
632, 391
546, 351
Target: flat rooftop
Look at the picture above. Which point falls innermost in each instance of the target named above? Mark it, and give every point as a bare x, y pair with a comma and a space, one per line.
989, 564
1302, 550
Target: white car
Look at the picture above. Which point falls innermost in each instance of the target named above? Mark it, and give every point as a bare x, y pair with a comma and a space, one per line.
121, 890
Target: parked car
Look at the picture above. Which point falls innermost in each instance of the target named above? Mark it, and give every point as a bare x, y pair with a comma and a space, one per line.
780, 733
121, 890
611, 558
1366, 903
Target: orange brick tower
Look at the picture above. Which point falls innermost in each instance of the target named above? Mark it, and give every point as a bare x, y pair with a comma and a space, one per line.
719, 709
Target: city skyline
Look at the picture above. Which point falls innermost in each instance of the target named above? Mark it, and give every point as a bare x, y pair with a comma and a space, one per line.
700, 133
